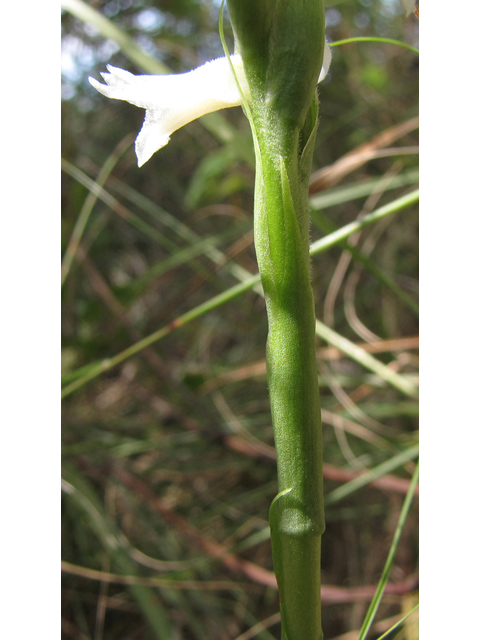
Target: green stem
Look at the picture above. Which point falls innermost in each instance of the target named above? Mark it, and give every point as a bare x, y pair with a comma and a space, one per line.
282, 44
282, 68
297, 514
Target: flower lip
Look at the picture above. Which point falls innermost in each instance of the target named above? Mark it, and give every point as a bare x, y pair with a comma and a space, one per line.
173, 100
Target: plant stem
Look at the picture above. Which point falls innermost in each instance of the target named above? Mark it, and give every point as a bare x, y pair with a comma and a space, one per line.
282, 48
297, 514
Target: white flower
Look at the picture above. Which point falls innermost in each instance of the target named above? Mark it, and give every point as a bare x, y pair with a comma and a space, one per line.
173, 100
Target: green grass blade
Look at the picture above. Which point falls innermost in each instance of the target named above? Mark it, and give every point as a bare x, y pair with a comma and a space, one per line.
366, 360
327, 227
79, 492
109, 363
398, 43
360, 189
397, 624
382, 469
88, 205
179, 228
343, 233
88, 14
253, 282
100, 193
375, 603
180, 257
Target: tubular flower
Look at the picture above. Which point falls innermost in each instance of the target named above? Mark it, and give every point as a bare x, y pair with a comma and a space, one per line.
174, 100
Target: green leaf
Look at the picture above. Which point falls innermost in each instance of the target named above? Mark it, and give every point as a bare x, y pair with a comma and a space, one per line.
375, 603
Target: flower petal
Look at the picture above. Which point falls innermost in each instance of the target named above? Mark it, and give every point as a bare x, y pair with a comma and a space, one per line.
327, 59
173, 100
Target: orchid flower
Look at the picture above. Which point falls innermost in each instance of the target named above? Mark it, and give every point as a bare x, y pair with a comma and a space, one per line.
173, 100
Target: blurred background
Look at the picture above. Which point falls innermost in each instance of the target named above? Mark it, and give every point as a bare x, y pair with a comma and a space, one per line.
168, 457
